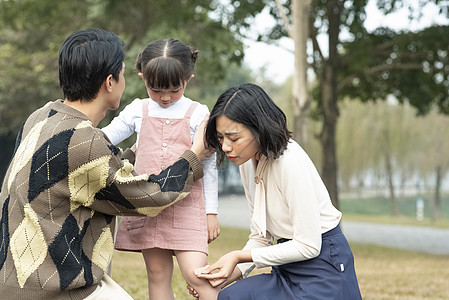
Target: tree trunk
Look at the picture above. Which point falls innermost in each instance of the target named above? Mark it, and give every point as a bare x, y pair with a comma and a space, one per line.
389, 169
327, 137
300, 123
436, 207
300, 95
328, 81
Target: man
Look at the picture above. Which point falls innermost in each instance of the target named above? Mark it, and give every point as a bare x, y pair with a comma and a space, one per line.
66, 182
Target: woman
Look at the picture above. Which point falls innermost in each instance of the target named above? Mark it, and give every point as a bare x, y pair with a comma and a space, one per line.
294, 226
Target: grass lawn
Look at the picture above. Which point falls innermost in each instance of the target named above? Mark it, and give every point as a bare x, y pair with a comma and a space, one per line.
383, 273
377, 210
374, 207
399, 220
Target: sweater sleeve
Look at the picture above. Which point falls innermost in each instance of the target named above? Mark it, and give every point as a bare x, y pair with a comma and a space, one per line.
118, 190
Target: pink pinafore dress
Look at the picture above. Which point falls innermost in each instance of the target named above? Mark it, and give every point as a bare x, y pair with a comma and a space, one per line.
183, 225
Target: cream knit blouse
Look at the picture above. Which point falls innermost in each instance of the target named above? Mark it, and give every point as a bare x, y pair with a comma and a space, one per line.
287, 199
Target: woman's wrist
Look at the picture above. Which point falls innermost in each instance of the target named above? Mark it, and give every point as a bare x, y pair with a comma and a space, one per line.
236, 275
243, 256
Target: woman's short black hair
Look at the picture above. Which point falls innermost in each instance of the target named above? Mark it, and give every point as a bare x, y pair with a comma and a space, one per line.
166, 63
249, 105
86, 59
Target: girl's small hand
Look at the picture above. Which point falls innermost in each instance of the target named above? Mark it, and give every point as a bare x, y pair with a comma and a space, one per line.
192, 291
213, 227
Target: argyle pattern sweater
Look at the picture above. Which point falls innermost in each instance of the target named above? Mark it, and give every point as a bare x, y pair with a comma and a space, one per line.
64, 185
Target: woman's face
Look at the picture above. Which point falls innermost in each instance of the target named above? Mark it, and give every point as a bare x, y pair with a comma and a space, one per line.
236, 140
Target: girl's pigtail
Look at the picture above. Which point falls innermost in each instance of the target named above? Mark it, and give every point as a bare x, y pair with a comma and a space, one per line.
139, 62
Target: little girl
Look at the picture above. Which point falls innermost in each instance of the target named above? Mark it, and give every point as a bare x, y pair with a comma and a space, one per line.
165, 123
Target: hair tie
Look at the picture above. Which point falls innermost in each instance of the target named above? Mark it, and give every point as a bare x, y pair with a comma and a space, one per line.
194, 55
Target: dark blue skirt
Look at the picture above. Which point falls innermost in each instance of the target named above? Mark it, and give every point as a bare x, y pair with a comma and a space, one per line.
331, 275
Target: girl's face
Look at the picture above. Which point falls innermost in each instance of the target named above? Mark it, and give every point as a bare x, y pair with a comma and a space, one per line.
165, 97
237, 141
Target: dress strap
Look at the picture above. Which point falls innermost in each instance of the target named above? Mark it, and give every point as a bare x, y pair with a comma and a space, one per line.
145, 104
145, 119
191, 109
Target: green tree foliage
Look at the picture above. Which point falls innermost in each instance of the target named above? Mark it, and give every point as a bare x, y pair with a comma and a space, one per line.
31, 32
411, 66
30, 35
364, 65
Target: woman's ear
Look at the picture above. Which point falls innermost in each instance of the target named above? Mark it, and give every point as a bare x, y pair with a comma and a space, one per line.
141, 75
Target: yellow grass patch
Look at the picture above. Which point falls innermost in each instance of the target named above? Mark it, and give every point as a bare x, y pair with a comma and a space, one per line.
383, 273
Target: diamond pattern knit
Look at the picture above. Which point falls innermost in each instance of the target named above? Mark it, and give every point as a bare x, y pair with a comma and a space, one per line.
64, 185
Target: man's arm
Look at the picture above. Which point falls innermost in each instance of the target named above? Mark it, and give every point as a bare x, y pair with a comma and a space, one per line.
127, 193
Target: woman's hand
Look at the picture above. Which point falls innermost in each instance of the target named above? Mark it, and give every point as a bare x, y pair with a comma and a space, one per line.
226, 266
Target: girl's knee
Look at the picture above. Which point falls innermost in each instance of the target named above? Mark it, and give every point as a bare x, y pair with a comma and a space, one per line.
194, 281
158, 272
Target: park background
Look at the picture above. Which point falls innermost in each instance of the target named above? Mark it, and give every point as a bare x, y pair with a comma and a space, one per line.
364, 85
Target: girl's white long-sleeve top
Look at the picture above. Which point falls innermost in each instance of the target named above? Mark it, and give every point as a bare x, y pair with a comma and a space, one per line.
287, 199
130, 120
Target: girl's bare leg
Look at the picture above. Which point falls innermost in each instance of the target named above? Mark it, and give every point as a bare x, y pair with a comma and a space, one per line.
159, 264
190, 260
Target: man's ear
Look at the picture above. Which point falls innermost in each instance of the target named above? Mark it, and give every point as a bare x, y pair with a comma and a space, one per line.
141, 75
108, 83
